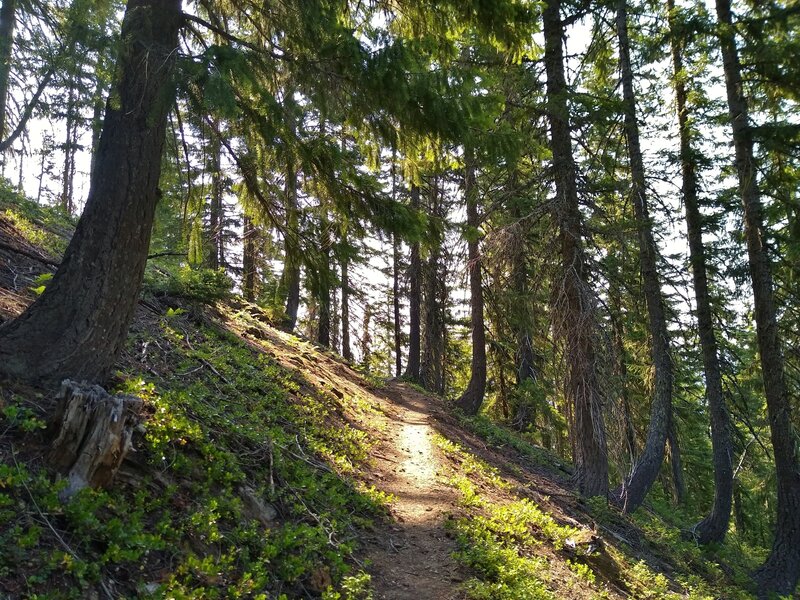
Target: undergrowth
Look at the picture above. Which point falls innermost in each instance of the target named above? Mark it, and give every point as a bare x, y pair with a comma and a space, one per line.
48, 228
238, 487
501, 538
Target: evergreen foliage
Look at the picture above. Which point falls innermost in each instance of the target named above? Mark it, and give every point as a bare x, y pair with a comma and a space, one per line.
580, 221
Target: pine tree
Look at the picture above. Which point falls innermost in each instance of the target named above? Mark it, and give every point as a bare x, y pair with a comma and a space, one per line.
646, 469
77, 327
472, 398
574, 298
714, 527
781, 571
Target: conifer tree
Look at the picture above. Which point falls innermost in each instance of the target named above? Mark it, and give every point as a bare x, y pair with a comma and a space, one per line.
714, 527
781, 571
647, 466
472, 398
574, 298
78, 325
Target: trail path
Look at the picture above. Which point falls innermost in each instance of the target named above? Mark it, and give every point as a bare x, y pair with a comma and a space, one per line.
412, 558
409, 555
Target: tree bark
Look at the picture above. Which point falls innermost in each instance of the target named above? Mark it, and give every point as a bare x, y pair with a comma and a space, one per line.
324, 288
432, 364
645, 470
715, 525
93, 434
397, 324
414, 302
79, 324
215, 225
347, 352
249, 253
366, 338
781, 571
574, 304
8, 20
292, 260
472, 398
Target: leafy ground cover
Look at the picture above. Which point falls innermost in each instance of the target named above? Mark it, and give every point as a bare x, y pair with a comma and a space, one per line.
268, 468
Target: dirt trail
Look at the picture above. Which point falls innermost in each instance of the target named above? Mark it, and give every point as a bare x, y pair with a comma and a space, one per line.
411, 559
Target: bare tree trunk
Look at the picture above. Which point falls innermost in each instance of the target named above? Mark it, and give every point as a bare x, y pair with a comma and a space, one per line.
398, 337
335, 316
472, 398
79, 324
292, 259
8, 20
415, 302
347, 352
676, 463
715, 525
215, 208
646, 469
574, 305
69, 152
781, 571
366, 338
397, 324
249, 253
432, 364
324, 288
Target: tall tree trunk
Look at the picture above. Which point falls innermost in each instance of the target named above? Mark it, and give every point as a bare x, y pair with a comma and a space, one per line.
79, 324
715, 525
291, 264
575, 305
347, 352
414, 302
290, 278
397, 323
676, 462
215, 208
432, 364
472, 398
366, 338
645, 470
335, 316
324, 288
249, 253
8, 20
69, 152
781, 571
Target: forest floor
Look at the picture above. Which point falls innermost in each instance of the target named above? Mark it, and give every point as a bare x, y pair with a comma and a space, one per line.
271, 468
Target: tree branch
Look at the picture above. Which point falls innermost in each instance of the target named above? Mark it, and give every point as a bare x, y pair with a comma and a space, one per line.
26, 114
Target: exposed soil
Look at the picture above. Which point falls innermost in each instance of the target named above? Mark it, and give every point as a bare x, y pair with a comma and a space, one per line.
410, 555
412, 558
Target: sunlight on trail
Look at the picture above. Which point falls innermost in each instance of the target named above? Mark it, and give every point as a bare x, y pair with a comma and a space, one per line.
419, 464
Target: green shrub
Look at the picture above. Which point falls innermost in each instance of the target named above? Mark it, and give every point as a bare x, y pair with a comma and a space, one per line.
191, 283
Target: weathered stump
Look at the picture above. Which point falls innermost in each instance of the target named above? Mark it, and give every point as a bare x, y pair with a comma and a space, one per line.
93, 434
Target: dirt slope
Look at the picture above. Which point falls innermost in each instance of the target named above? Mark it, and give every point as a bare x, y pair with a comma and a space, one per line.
446, 482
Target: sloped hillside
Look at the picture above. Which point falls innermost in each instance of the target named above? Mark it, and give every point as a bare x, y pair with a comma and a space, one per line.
267, 468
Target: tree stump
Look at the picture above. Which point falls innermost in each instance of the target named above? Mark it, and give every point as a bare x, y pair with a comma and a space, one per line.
93, 434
